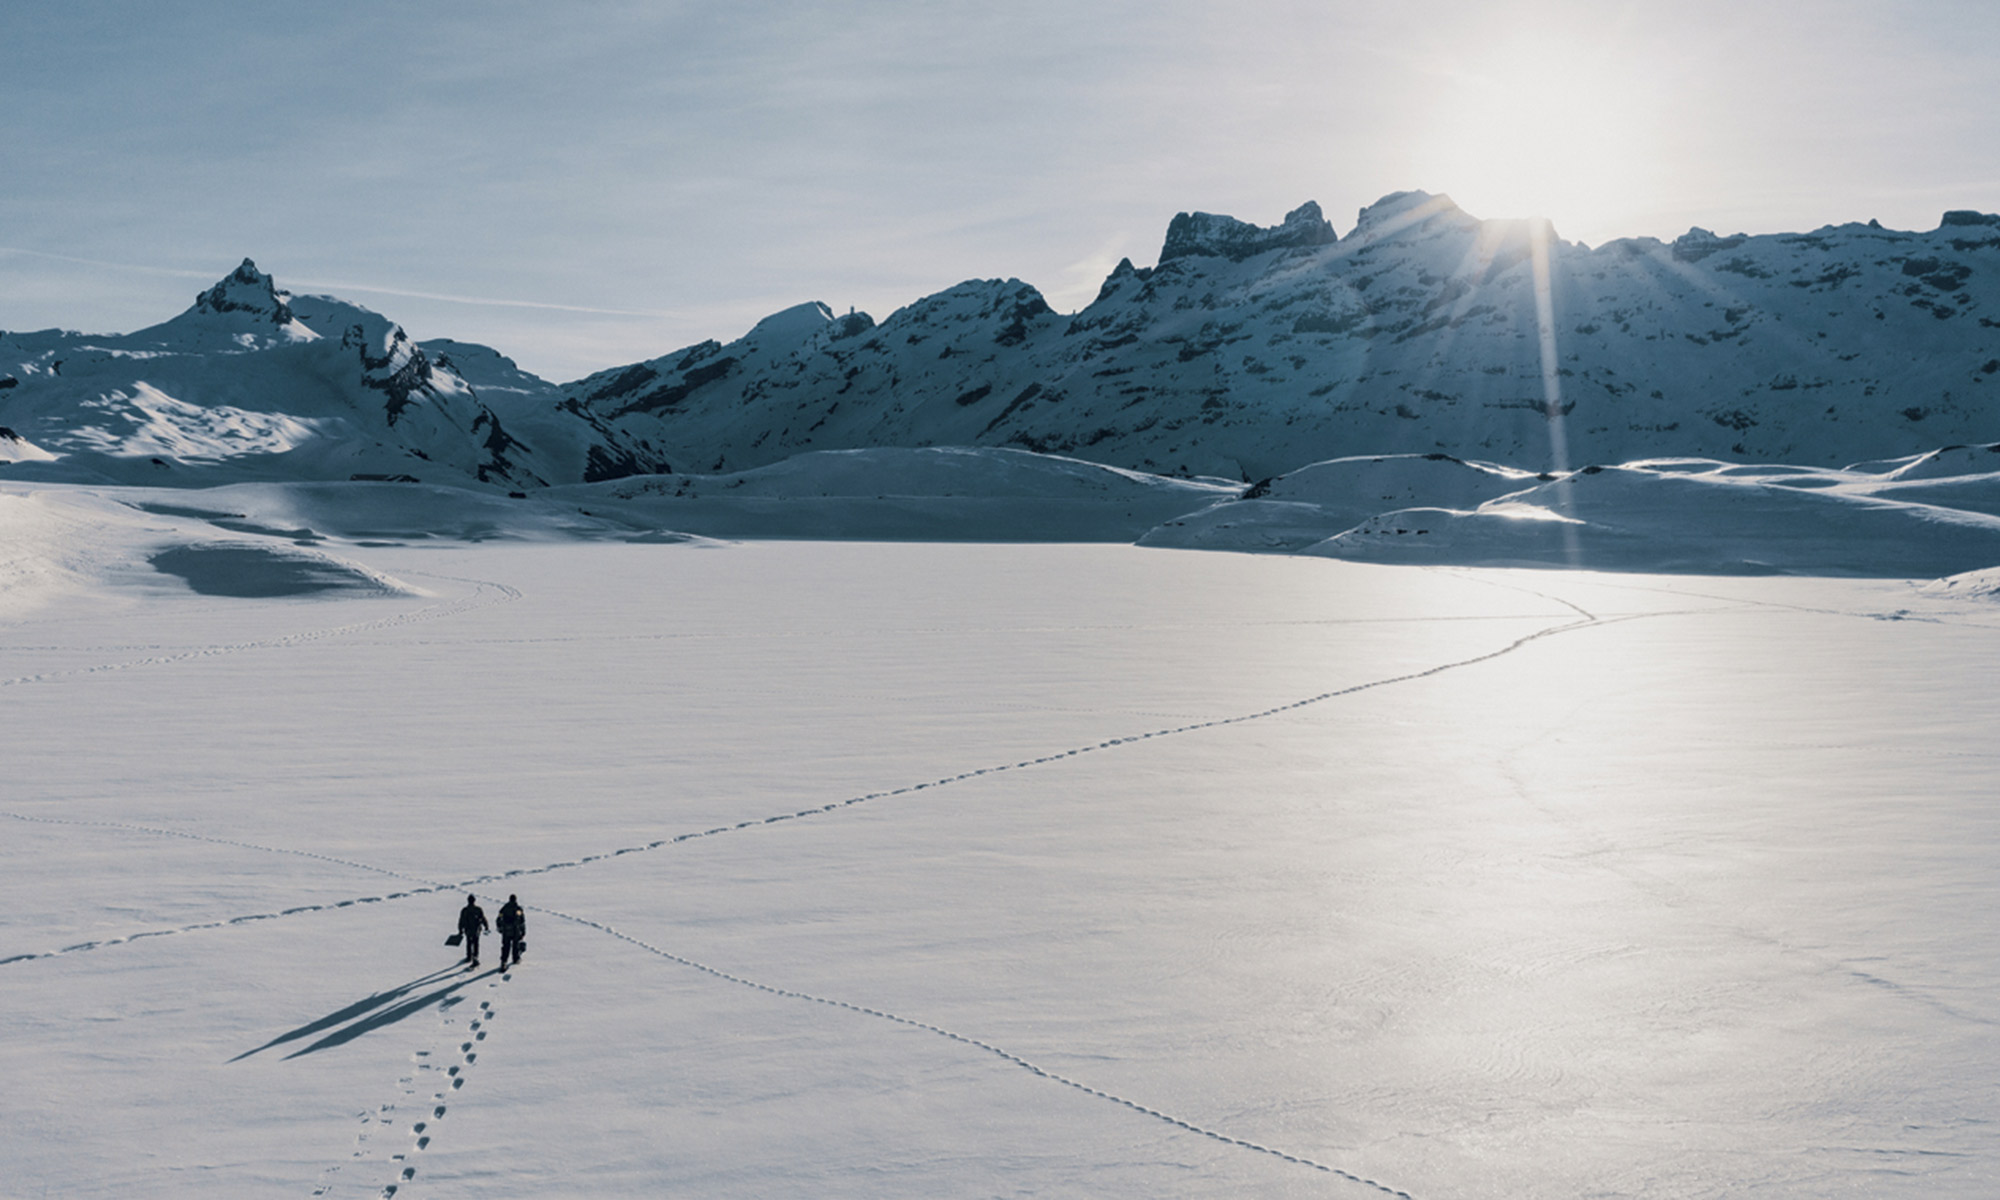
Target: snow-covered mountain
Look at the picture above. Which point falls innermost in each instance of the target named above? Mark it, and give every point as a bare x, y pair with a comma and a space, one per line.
254, 383
1248, 351
1245, 352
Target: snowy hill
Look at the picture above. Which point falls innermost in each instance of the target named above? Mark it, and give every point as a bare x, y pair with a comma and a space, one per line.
1928, 515
1250, 351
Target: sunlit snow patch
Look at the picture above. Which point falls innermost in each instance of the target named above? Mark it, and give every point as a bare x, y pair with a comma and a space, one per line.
15, 448
146, 421
1968, 585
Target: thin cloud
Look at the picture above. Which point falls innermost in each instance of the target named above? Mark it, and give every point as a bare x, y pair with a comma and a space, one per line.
487, 301
443, 297
113, 266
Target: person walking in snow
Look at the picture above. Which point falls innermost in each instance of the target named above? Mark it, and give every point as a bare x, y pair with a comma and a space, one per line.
471, 923
512, 925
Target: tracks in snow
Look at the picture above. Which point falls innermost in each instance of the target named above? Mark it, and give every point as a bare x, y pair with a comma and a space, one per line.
485, 594
375, 1124
427, 886
1585, 621
976, 1043
426, 1093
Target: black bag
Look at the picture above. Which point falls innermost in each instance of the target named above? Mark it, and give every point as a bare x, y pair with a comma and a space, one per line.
520, 948
454, 939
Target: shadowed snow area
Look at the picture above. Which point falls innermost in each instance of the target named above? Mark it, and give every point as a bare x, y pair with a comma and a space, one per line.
258, 572
1922, 516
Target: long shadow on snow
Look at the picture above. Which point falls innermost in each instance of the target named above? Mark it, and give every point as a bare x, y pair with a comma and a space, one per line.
356, 1009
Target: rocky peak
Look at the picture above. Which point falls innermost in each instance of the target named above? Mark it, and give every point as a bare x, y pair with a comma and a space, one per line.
1120, 274
791, 325
1190, 234
1698, 243
247, 290
1399, 211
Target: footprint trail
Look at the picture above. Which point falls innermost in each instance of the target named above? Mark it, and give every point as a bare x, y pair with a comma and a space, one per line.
977, 1044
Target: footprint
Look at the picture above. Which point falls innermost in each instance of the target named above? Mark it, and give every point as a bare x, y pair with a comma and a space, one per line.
470, 1059
480, 1038
438, 1112
422, 1142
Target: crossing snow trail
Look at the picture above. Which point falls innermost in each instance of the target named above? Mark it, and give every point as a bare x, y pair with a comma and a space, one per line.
423, 1131
407, 1169
428, 886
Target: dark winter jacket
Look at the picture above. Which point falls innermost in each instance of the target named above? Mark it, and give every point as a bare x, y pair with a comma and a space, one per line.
471, 919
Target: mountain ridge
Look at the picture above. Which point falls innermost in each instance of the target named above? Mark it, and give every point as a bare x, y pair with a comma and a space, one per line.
1244, 351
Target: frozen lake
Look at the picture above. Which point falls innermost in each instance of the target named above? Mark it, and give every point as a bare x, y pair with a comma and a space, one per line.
1227, 876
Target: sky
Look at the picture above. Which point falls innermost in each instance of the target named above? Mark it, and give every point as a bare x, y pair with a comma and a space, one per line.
589, 184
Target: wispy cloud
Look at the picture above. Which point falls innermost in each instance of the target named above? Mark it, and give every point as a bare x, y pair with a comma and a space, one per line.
483, 301
373, 289
112, 266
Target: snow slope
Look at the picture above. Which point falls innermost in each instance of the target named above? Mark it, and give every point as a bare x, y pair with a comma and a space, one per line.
866, 870
939, 494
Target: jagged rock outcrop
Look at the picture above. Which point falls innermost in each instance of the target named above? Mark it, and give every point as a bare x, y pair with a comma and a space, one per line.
1226, 237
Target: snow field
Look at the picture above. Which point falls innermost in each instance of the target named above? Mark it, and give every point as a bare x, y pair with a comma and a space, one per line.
1688, 899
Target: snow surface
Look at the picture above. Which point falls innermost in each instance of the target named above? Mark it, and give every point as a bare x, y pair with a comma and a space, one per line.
878, 870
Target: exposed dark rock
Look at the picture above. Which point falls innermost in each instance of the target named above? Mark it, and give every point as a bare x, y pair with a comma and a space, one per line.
669, 397
852, 325
246, 290
1698, 243
1211, 234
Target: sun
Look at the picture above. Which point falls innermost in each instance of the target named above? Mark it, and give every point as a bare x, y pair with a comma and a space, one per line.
1543, 125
